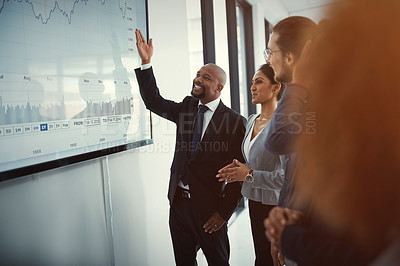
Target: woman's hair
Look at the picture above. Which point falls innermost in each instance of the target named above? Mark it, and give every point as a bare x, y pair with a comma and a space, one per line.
349, 163
270, 74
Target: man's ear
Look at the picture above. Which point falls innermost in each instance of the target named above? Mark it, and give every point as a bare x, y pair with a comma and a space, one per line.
220, 87
290, 59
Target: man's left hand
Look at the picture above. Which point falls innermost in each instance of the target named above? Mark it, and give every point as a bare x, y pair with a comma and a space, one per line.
214, 223
277, 219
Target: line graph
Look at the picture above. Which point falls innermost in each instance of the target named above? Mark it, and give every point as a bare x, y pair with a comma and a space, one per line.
67, 84
43, 11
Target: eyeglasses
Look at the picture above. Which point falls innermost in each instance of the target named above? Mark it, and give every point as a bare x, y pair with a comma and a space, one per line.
268, 53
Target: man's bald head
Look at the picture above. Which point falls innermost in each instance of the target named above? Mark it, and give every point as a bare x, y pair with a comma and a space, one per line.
219, 73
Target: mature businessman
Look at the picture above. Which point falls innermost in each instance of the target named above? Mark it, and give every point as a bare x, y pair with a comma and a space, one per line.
208, 136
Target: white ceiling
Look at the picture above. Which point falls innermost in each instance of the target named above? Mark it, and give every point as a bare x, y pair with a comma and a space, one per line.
300, 5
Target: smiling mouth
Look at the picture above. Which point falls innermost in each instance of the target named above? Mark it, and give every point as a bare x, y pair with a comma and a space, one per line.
197, 87
198, 91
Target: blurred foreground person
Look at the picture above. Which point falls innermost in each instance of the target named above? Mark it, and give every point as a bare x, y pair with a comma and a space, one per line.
350, 168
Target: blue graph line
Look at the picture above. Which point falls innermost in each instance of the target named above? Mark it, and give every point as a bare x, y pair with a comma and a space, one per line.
56, 6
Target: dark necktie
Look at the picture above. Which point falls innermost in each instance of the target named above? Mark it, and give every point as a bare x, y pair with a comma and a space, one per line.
197, 130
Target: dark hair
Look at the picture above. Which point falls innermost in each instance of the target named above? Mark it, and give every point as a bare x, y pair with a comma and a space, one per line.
270, 74
293, 33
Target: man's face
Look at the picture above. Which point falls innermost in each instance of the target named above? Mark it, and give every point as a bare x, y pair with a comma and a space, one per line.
206, 84
278, 61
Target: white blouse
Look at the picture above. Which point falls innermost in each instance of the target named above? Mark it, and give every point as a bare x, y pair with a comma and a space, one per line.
248, 142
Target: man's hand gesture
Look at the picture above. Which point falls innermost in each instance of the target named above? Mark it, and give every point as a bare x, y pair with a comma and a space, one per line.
145, 50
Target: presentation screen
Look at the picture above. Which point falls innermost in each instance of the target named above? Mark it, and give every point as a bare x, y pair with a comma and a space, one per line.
68, 91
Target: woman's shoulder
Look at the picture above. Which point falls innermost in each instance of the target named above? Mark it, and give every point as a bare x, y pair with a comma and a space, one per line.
250, 121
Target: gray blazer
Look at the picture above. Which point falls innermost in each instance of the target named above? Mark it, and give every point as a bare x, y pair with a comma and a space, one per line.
268, 168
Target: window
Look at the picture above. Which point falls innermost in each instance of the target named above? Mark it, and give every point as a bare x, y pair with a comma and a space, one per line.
241, 60
221, 44
241, 54
268, 31
218, 25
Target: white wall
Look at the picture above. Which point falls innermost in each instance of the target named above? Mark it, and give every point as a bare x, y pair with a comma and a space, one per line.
58, 218
54, 218
140, 177
272, 11
316, 14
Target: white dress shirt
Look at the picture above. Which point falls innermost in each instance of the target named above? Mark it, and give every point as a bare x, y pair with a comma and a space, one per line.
212, 106
248, 142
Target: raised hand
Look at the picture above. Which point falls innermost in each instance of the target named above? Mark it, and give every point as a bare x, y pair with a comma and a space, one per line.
145, 50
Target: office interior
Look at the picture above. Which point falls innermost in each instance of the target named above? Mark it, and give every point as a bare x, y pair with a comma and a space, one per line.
70, 216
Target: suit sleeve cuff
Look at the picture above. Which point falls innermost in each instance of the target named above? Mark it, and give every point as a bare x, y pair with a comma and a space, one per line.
145, 66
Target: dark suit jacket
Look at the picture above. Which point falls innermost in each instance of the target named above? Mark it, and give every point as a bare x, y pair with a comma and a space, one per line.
286, 125
314, 243
219, 146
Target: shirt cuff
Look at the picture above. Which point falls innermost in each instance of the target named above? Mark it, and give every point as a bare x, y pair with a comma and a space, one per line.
145, 66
